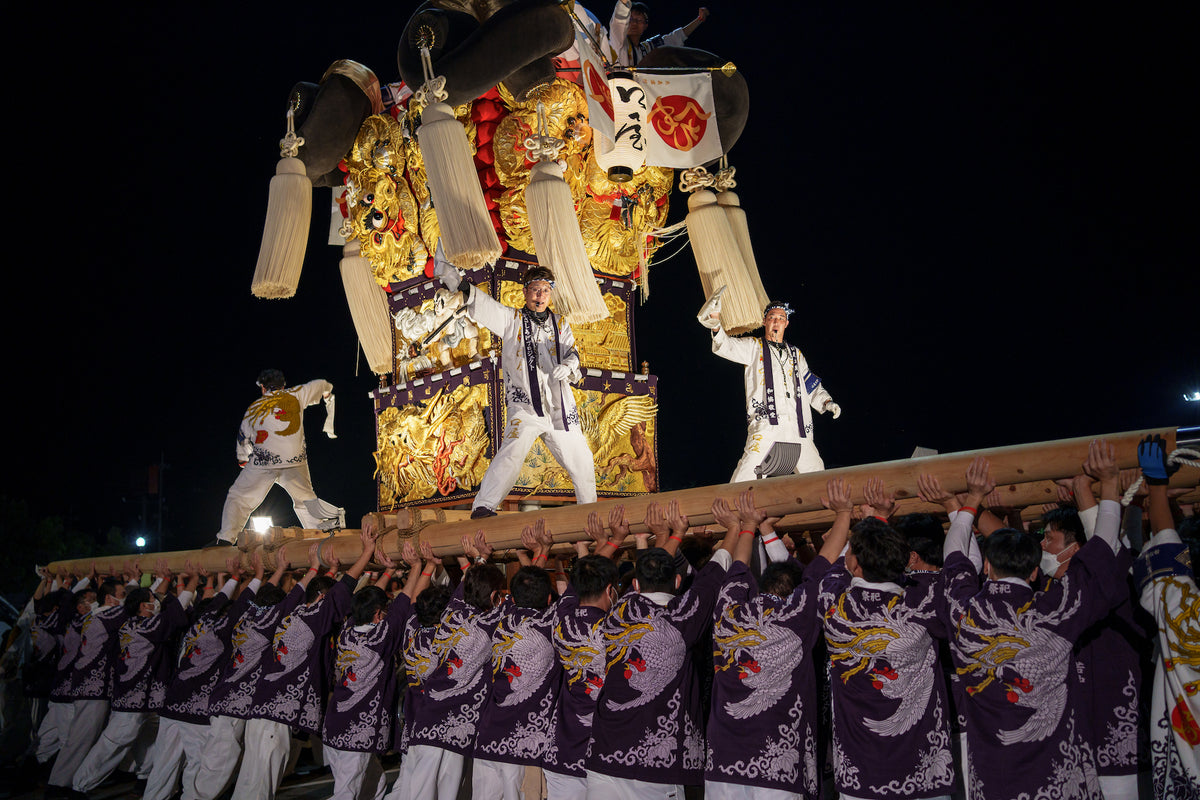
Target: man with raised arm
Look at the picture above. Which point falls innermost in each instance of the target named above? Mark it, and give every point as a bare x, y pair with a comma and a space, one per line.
781, 390
1167, 587
627, 32
540, 362
764, 724
1013, 642
271, 450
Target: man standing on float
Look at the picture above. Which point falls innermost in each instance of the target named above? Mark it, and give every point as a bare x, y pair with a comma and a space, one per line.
539, 361
780, 389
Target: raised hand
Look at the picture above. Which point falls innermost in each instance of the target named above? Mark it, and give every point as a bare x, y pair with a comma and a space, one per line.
837, 496
617, 524
427, 554
751, 515
979, 480
726, 517
595, 529
882, 502
481, 544
929, 489
656, 520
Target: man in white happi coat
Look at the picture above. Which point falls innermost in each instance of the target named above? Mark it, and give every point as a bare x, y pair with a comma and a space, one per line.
540, 362
781, 390
271, 449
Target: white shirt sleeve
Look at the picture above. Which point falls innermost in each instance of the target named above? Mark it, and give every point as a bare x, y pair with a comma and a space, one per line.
959, 538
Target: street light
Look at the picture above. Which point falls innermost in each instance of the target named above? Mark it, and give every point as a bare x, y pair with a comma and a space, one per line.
261, 524
140, 542
1194, 397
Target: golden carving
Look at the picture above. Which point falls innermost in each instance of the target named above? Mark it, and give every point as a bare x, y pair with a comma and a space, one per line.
456, 344
381, 206
432, 448
620, 431
605, 344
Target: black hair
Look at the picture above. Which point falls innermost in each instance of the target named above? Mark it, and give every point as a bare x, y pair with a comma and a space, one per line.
642, 7
920, 526
592, 575
780, 579
1012, 553
1066, 520
926, 550
317, 587
880, 550
538, 273
365, 603
106, 589
49, 601
655, 571
430, 604
395, 584
271, 380
134, 600
530, 587
479, 583
268, 595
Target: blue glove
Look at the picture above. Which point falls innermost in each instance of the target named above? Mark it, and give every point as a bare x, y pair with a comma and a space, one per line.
1152, 458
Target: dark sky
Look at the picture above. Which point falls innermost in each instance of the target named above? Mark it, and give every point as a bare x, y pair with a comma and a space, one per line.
984, 215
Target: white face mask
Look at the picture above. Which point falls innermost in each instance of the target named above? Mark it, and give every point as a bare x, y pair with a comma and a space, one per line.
156, 606
1049, 564
92, 606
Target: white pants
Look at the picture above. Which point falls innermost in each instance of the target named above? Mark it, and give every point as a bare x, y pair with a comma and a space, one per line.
114, 744
564, 787
267, 747
606, 787
178, 749
428, 773
497, 779
86, 725
758, 444
53, 731
251, 488
222, 752
570, 448
356, 776
716, 790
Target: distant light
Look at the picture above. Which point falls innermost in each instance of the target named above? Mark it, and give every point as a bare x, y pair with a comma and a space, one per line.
140, 541
1194, 397
261, 524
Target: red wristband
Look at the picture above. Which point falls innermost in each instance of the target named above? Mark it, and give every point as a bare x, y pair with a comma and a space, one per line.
974, 511
676, 538
426, 574
881, 518
773, 538
740, 533
313, 569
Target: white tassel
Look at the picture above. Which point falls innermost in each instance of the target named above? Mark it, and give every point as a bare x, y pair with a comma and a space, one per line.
719, 260
559, 244
368, 309
467, 234
741, 231
285, 233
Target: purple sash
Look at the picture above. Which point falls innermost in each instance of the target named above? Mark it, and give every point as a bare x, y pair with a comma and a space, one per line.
769, 378
535, 391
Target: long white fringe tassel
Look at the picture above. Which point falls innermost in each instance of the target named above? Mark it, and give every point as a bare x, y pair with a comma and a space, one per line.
467, 235
368, 308
719, 260
556, 237
736, 215
285, 232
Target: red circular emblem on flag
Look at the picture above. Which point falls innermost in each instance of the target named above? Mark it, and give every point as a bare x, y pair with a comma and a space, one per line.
679, 120
598, 89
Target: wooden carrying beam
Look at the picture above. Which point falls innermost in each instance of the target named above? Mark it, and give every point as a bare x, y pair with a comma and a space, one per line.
1028, 466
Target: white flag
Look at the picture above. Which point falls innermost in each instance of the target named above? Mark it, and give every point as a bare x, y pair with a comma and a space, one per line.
595, 86
681, 129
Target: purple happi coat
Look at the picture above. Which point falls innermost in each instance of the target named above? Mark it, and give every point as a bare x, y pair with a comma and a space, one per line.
578, 639
763, 727
203, 651
891, 716
91, 675
648, 724
143, 664
233, 696
359, 717
517, 722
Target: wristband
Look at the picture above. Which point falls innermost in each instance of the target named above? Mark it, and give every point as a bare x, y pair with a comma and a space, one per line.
539, 555
740, 533
773, 538
676, 538
881, 518
313, 569
974, 511
426, 574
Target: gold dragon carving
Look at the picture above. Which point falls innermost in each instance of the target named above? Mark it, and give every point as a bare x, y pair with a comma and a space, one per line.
432, 448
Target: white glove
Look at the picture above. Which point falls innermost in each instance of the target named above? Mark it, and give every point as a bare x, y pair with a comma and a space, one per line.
832, 408
561, 372
710, 310
446, 272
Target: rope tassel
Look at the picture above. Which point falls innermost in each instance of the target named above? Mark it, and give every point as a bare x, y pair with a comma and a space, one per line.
285, 232
556, 237
719, 256
467, 235
736, 215
368, 308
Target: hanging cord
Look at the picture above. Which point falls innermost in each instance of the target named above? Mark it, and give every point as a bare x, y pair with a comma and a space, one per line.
1180, 455
433, 88
543, 146
290, 144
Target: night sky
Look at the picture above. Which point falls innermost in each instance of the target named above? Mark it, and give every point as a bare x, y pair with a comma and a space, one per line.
985, 217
